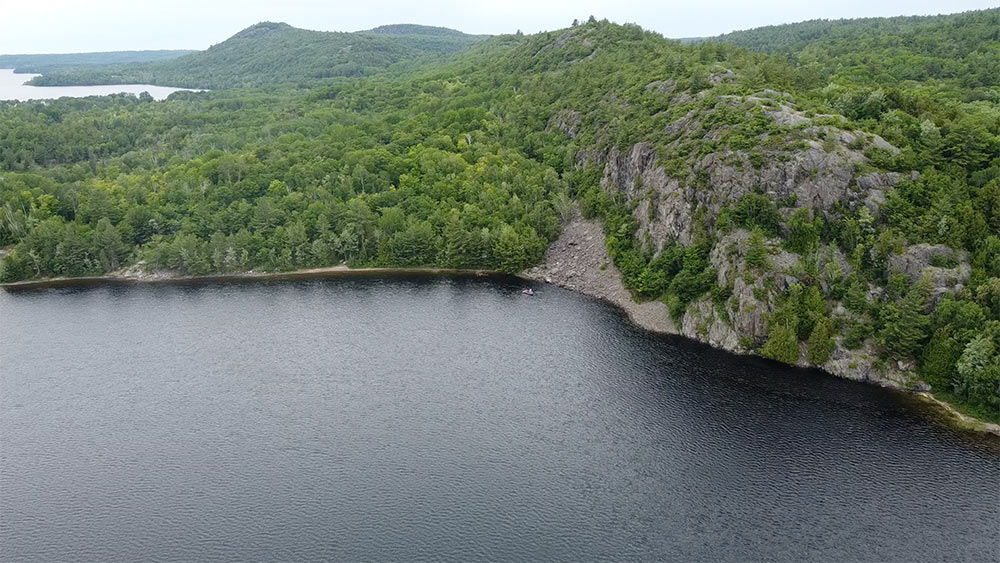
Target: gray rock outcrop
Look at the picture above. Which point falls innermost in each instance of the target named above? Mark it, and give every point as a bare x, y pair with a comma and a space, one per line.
796, 163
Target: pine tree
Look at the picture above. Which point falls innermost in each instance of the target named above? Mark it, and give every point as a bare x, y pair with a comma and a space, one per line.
783, 340
905, 326
820, 342
756, 250
108, 243
782, 343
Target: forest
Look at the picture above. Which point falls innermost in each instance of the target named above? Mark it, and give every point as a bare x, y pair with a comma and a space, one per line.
52, 63
474, 158
275, 53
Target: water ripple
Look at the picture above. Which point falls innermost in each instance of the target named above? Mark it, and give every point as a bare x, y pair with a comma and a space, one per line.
429, 419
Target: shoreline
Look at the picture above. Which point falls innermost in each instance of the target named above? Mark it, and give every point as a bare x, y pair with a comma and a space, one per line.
651, 316
578, 261
957, 418
307, 273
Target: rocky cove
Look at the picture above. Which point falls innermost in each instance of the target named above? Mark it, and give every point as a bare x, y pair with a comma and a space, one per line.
579, 261
686, 185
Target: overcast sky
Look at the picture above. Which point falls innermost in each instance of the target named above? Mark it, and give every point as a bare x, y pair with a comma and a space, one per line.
62, 26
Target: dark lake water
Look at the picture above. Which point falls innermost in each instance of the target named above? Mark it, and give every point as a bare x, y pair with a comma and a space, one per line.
411, 418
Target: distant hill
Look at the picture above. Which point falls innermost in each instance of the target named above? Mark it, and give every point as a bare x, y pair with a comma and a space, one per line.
413, 29
270, 53
962, 46
43, 63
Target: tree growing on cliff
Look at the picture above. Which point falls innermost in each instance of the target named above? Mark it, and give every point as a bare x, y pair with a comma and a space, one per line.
782, 343
905, 325
782, 339
953, 325
756, 250
821, 342
803, 232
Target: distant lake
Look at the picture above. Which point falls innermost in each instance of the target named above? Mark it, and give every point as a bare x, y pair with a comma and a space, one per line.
12, 87
411, 418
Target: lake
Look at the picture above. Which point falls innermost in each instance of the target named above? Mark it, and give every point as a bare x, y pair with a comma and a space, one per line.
12, 87
413, 418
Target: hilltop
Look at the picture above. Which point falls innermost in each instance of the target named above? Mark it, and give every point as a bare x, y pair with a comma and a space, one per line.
275, 53
415, 30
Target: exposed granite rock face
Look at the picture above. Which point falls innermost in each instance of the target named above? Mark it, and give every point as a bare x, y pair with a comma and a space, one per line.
566, 121
797, 163
859, 365
662, 86
637, 172
720, 76
881, 143
812, 173
787, 117
143, 271
881, 181
703, 323
750, 299
815, 177
740, 324
562, 40
918, 261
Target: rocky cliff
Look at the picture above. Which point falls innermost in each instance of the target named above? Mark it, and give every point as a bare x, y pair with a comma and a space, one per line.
683, 185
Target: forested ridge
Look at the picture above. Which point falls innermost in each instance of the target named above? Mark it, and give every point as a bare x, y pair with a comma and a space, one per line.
54, 62
276, 53
687, 152
962, 49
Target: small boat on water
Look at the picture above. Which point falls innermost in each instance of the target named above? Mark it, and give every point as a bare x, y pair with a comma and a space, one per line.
527, 291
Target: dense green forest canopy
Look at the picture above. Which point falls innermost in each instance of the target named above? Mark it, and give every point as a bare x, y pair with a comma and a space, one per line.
410, 29
55, 62
961, 48
474, 160
274, 53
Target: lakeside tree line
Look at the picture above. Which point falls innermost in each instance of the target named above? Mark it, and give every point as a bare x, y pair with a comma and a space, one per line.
351, 191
